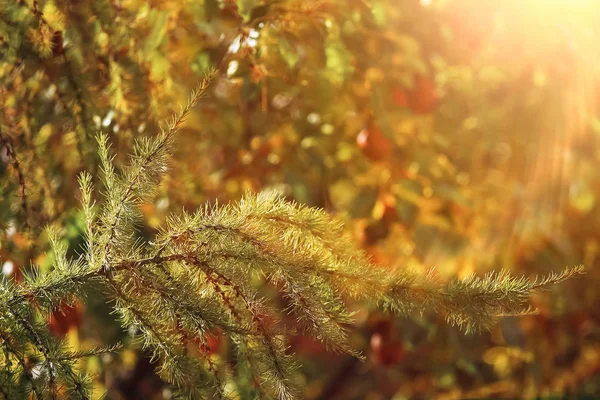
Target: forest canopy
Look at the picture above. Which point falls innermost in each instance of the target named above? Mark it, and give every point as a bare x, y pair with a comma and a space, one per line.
299, 199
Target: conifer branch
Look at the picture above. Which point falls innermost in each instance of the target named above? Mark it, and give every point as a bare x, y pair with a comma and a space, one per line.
6, 144
148, 164
196, 278
41, 347
76, 355
8, 344
47, 36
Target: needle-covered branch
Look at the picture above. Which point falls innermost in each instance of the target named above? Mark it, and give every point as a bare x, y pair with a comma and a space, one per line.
199, 277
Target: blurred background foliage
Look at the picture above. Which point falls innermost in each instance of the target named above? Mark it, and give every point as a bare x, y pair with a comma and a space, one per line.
457, 134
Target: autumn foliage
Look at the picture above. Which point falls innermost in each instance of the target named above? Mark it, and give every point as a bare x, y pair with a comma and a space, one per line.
348, 177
